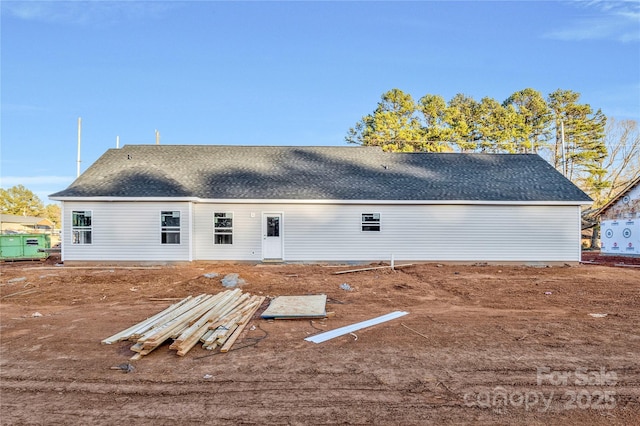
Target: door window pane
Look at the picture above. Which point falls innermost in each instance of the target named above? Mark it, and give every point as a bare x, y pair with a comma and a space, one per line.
273, 226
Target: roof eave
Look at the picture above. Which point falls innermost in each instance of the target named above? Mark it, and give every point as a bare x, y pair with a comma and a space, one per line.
619, 195
324, 201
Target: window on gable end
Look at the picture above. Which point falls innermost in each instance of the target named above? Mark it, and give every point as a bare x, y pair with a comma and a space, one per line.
81, 227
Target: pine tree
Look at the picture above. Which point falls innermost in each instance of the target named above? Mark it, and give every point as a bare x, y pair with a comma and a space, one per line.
584, 139
394, 125
536, 120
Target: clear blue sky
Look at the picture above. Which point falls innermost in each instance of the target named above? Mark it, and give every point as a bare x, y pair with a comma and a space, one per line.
281, 73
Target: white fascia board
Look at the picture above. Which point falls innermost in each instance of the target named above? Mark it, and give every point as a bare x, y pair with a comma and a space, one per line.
394, 202
141, 199
328, 201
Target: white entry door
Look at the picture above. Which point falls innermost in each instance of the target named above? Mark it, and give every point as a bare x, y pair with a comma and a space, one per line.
272, 236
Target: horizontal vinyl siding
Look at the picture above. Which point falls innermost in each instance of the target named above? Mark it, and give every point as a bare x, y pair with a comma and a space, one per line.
456, 233
126, 231
323, 232
493, 233
247, 232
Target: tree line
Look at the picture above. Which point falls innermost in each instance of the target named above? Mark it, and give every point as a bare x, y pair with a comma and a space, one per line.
573, 137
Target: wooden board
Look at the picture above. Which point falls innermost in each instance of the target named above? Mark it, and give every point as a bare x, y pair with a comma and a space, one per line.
295, 307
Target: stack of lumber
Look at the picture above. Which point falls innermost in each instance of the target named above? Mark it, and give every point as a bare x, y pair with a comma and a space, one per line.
215, 320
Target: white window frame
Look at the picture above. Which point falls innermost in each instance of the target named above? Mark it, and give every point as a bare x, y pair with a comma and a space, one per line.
79, 232
370, 223
166, 230
222, 231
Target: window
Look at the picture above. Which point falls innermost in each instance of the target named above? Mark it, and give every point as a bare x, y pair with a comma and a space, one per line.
170, 227
273, 226
371, 222
81, 227
223, 228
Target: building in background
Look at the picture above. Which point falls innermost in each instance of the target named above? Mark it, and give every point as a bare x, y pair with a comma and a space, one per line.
15, 224
620, 222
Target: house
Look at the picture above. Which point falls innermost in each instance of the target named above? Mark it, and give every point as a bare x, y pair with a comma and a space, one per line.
15, 224
620, 222
168, 203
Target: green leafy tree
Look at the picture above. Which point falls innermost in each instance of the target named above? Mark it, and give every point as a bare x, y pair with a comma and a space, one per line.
499, 127
438, 133
21, 201
587, 160
464, 114
584, 139
581, 129
53, 213
394, 125
536, 120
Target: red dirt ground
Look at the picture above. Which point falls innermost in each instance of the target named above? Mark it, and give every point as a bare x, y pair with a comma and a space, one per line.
595, 257
481, 344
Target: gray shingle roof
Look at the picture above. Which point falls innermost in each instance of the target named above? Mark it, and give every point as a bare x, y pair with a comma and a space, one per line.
25, 220
319, 173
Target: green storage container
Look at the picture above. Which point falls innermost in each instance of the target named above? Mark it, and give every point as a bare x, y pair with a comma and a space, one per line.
24, 246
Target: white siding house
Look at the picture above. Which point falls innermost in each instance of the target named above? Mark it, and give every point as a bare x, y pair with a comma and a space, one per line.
159, 203
620, 222
125, 231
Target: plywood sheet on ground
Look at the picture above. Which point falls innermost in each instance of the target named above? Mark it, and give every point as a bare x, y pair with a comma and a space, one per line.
309, 306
